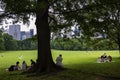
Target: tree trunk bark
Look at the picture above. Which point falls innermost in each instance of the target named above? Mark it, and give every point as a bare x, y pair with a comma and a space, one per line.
118, 41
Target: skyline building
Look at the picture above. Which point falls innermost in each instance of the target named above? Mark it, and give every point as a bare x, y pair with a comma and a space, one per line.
23, 36
15, 31
31, 32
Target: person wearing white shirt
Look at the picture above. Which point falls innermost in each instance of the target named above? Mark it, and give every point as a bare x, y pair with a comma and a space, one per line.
59, 61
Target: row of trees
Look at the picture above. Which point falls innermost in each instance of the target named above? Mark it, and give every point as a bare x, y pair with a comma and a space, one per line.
27, 44
82, 44
8, 43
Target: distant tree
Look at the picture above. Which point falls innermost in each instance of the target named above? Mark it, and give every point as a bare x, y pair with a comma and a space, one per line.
66, 44
27, 44
2, 47
9, 42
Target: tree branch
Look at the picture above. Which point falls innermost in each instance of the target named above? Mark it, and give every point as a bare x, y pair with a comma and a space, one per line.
51, 18
54, 1
66, 12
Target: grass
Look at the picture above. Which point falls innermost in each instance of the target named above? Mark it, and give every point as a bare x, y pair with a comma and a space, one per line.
11, 57
82, 65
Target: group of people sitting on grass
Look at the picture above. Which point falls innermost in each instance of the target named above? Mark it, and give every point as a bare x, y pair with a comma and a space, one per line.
26, 67
23, 67
104, 58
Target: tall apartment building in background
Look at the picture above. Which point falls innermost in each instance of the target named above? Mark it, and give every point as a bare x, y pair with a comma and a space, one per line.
23, 36
27, 34
31, 32
14, 30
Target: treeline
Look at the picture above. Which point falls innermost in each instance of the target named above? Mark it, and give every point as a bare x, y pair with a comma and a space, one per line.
83, 44
8, 43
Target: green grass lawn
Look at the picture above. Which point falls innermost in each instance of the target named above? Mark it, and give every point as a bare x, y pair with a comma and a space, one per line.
82, 65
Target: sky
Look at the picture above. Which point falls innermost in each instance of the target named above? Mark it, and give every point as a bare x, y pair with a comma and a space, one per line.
6, 24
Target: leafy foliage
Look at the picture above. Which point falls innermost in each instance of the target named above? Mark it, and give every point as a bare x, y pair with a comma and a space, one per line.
27, 44
83, 44
1, 41
10, 43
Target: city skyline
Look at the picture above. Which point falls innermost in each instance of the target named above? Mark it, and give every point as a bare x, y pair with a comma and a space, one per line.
24, 27
15, 31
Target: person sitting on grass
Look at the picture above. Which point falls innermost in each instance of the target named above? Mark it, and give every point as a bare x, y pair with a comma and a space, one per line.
32, 62
17, 67
11, 68
104, 57
14, 67
24, 65
59, 61
109, 58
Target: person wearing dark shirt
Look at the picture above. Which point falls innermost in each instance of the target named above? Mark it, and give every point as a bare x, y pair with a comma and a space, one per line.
32, 62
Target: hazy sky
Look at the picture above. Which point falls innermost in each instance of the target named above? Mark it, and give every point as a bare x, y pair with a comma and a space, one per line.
6, 24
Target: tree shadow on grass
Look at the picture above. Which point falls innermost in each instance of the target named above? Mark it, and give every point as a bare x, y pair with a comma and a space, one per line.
72, 74
68, 74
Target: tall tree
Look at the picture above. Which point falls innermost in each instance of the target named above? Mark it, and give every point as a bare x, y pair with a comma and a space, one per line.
20, 10
9, 42
44, 60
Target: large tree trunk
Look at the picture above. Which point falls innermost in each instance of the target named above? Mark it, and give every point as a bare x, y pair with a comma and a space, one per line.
118, 41
44, 61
